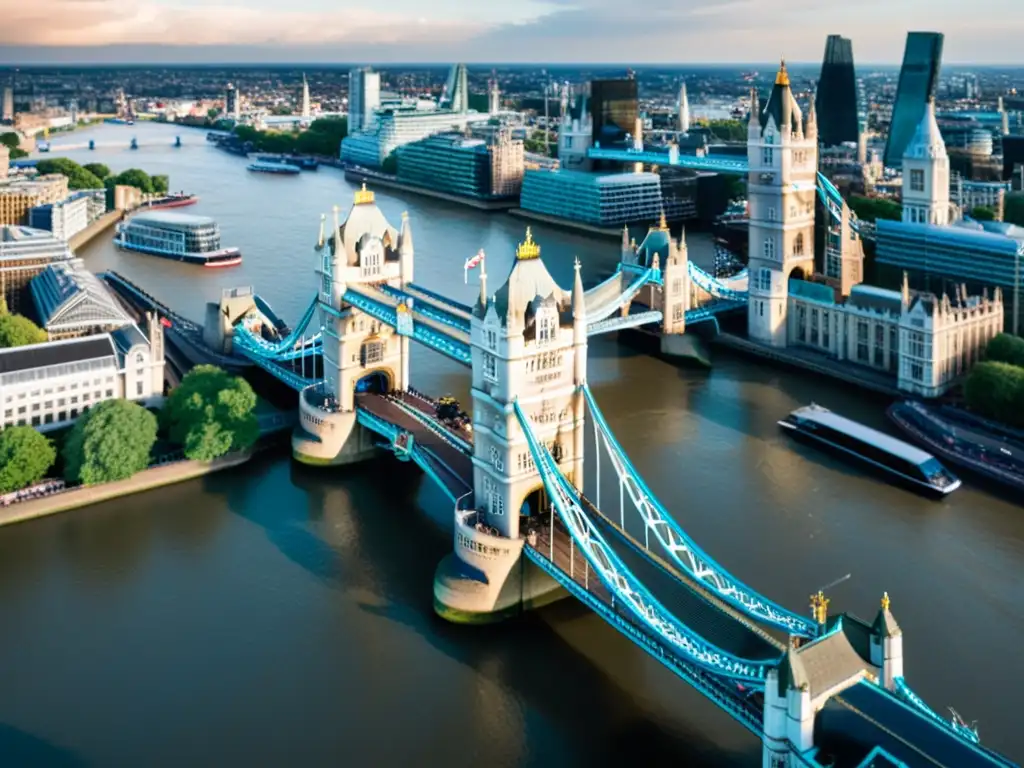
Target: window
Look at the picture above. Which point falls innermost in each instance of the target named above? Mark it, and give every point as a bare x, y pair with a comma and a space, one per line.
496, 459
916, 180
815, 319
546, 327
798, 244
492, 340
771, 213
862, 341
916, 371
497, 504
110, 393
760, 308
764, 279
138, 388
677, 286
325, 289
140, 358
801, 322
372, 352
880, 345
769, 247
490, 368
825, 321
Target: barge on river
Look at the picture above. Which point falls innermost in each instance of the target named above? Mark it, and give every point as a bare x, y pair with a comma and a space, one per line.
894, 458
177, 236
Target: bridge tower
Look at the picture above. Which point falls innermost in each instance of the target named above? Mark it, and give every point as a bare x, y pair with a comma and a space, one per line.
782, 152
529, 344
359, 352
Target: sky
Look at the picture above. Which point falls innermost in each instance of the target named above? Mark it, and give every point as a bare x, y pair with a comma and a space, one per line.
492, 31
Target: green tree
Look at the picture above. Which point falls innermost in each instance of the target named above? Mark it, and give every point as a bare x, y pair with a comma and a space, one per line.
111, 441
78, 177
17, 331
1013, 208
211, 413
996, 390
133, 177
10, 139
99, 170
161, 184
17, 154
728, 130
323, 137
983, 213
25, 457
1006, 348
874, 208
212, 113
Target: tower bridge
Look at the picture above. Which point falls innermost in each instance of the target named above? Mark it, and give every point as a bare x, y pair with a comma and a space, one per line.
525, 531
530, 524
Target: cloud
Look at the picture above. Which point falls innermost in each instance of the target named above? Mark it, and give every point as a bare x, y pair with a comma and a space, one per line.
128, 22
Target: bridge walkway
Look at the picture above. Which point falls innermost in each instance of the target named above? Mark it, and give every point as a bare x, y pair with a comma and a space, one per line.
376, 294
453, 466
439, 300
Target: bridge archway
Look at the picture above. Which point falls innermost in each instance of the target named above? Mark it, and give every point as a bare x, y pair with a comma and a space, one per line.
797, 273
379, 381
535, 503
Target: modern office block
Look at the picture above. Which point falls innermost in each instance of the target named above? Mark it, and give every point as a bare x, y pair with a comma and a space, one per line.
614, 108
836, 100
919, 79
462, 166
600, 200
363, 98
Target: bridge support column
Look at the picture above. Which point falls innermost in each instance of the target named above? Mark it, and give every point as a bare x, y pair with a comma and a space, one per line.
326, 438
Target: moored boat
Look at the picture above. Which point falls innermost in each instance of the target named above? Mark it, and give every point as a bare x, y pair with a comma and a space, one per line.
266, 167
177, 236
902, 461
174, 200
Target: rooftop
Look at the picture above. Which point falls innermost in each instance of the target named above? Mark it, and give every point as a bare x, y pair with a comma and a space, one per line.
67, 296
18, 242
55, 353
172, 220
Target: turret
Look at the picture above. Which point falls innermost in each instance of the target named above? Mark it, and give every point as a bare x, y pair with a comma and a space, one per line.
684, 109
811, 123
754, 119
887, 645
782, 80
483, 288
405, 250
626, 254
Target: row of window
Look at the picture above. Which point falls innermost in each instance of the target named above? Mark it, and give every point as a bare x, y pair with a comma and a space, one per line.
483, 549
61, 388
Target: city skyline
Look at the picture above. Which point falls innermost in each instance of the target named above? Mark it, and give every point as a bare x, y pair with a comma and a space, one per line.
518, 31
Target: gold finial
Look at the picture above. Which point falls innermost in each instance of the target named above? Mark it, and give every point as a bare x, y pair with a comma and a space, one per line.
885, 601
783, 77
663, 222
363, 196
402, 309
528, 249
819, 607
405, 214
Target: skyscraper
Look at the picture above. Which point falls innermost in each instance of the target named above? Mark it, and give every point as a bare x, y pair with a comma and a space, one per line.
683, 109
363, 98
613, 109
305, 98
919, 79
456, 91
836, 100
7, 115
231, 106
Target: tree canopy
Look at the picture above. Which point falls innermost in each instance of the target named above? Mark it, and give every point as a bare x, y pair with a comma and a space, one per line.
1006, 348
10, 139
99, 170
728, 130
111, 441
323, 137
211, 413
78, 177
25, 457
1013, 209
983, 213
874, 208
17, 331
996, 390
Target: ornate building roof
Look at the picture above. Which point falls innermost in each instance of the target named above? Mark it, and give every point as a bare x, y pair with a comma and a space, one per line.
364, 221
69, 299
927, 142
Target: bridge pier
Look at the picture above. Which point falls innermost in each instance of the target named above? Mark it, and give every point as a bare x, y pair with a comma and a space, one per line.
326, 438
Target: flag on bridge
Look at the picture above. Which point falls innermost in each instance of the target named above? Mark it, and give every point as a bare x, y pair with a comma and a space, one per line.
472, 263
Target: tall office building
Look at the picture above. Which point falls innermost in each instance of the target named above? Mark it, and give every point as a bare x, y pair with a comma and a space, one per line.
919, 80
456, 91
683, 107
7, 115
614, 109
836, 101
363, 98
232, 108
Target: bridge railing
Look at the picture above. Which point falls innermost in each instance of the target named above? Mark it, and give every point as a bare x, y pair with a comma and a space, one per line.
621, 582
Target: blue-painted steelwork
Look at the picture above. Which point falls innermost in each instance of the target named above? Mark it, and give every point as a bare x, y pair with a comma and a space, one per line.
622, 323
443, 299
272, 366
598, 313
904, 692
427, 309
286, 344
683, 551
619, 580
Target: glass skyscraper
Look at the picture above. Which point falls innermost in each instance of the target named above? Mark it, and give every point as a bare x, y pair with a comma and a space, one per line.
836, 100
614, 107
919, 78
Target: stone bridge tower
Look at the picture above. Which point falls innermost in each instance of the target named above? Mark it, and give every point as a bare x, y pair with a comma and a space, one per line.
359, 352
529, 344
782, 152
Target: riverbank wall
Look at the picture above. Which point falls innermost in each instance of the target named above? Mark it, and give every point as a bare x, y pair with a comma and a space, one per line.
372, 179
98, 227
147, 479
790, 358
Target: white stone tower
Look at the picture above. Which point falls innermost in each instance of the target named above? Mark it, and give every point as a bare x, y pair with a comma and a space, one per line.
887, 646
683, 106
493, 96
529, 344
574, 134
782, 153
305, 97
926, 174
359, 352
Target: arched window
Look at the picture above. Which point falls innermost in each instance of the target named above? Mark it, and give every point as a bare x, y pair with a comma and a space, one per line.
547, 327
140, 358
798, 244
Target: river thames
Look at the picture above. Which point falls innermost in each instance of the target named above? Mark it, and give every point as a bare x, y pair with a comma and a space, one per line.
279, 615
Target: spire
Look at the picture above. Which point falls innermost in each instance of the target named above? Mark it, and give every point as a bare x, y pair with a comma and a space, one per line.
337, 232
579, 309
483, 287
782, 78
684, 109
663, 222
754, 120
811, 123
885, 623
927, 141
405, 235
320, 240
819, 607
905, 292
